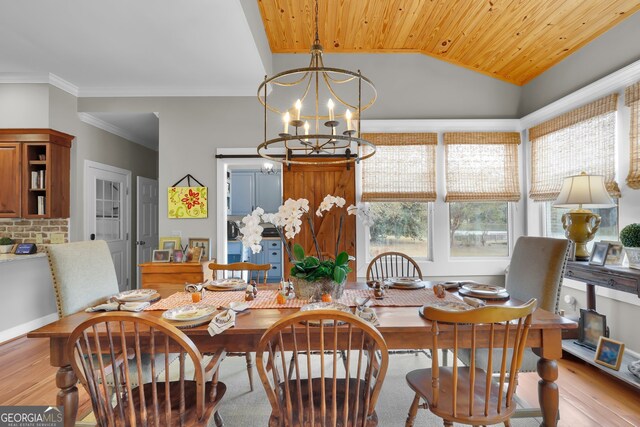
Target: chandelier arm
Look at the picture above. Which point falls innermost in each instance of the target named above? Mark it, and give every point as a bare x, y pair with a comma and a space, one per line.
327, 77
342, 101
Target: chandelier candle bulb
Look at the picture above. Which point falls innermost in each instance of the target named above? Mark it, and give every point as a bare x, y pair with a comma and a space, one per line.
330, 106
306, 130
298, 108
286, 119
348, 117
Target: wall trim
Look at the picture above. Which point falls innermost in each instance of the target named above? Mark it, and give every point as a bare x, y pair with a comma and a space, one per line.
16, 331
116, 92
613, 82
92, 120
441, 125
50, 78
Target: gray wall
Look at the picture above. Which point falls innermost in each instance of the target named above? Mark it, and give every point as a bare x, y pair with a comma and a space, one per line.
618, 47
24, 105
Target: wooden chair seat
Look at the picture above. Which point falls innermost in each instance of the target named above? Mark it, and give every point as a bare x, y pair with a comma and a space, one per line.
420, 381
190, 417
317, 401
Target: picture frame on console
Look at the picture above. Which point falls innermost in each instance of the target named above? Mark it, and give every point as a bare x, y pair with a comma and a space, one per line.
160, 255
591, 326
599, 253
609, 353
615, 253
169, 243
203, 243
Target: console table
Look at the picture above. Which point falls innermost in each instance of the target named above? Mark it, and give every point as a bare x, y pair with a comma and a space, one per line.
608, 276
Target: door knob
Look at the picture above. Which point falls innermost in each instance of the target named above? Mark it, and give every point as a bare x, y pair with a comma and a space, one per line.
92, 236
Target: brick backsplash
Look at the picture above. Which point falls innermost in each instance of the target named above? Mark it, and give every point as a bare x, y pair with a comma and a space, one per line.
26, 230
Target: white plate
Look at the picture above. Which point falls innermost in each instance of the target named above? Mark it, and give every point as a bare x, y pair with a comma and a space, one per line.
450, 306
135, 295
404, 280
188, 313
479, 288
232, 282
326, 306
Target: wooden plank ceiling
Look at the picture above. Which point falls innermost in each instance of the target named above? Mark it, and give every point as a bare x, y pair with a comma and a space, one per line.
512, 40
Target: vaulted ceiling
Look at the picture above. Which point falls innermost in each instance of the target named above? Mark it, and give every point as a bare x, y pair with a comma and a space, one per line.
512, 40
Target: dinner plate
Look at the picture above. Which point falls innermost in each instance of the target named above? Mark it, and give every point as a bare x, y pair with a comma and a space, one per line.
189, 312
233, 284
404, 280
479, 288
413, 285
135, 295
447, 306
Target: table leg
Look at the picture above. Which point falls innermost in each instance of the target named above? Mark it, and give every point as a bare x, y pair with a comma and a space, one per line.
548, 394
66, 381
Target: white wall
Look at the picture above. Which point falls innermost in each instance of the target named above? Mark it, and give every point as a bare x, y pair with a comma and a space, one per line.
24, 105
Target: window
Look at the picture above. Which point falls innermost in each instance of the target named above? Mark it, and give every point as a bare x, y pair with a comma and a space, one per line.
400, 227
608, 223
482, 178
632, 100
398, 184
479, 229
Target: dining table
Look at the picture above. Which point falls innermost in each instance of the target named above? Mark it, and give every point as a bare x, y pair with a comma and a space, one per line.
400, 324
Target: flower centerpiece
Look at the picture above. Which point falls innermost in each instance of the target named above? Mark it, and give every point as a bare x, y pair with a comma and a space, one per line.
312, 275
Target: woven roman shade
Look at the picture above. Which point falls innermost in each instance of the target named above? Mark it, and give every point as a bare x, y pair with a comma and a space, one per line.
632, 100
403, 168
581, 140
482, 166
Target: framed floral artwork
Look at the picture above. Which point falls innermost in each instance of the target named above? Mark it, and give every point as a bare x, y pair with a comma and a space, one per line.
187, 202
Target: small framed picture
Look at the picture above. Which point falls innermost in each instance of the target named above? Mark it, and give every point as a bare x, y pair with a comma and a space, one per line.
160, 255
591, 326
609, 353
169, 243
178, 255
193, 254
202, 243
615, 254
599, 253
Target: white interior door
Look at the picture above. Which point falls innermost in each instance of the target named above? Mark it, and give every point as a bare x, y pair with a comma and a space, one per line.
107, 214
147, 221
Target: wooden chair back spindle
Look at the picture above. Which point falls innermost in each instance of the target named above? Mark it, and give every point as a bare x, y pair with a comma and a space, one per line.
338, 361
393, 264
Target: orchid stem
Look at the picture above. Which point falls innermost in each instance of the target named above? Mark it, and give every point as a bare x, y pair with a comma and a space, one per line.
285, 244
339, 234
313, 234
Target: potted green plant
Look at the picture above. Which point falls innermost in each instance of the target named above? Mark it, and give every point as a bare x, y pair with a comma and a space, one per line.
630, 239
312, 275
6, 244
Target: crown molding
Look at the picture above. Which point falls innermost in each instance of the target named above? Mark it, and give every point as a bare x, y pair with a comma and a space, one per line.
130, 92
46, 78
92, 120
443, 125
614, 82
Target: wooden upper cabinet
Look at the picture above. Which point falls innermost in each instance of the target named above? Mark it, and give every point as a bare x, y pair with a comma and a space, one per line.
42, 174
10, 179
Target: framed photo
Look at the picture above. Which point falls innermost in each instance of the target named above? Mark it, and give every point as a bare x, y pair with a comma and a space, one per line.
609, 353
591, 326
169, 243
178, 255
599, 253
202, 243
615, 254
193, 254
160, 255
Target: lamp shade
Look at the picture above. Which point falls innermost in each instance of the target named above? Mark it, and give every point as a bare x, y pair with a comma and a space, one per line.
583, 190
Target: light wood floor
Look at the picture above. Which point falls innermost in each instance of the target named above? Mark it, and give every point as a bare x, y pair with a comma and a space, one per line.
588, 396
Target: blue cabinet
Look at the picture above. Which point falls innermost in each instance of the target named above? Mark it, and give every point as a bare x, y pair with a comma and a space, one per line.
250, 189
271, 254
236, 252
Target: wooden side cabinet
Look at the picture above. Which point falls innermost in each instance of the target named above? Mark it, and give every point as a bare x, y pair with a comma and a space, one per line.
10, 179
154, 274
42, 173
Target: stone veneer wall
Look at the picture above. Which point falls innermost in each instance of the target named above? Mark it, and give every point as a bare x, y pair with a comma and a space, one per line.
25, 230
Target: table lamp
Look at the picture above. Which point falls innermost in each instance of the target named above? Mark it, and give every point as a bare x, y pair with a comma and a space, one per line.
580, 225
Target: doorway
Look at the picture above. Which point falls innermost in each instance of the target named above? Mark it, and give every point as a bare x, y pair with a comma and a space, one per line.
108, 214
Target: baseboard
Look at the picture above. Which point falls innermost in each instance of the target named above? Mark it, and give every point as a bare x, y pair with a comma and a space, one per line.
16, 331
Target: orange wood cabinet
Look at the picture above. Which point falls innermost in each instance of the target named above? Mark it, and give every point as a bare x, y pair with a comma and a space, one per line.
10, 179
156, 275
41, 173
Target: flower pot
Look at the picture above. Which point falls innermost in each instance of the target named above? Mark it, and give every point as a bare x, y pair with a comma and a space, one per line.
5, 249
314, 290
633, 255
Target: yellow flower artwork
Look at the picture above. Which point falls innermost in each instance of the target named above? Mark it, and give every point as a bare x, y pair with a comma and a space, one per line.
187, 202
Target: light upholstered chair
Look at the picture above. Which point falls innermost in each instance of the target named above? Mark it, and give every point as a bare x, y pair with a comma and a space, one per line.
83, 275
536, 271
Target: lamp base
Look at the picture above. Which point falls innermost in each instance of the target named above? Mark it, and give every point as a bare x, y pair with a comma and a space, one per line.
580, 226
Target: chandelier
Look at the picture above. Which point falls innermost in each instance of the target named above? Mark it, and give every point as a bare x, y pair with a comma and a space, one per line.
268, 169
320, 108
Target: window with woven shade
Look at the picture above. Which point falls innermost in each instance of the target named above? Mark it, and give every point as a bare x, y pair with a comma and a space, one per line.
581, 140
632, 100
403, 168
482, 166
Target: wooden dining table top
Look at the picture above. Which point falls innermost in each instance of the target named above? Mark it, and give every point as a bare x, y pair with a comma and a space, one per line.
257, 321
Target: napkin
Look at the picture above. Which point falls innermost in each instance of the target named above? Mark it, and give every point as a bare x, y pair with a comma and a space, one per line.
369, 315
474, 302
221, 322
192, 287
116, 306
